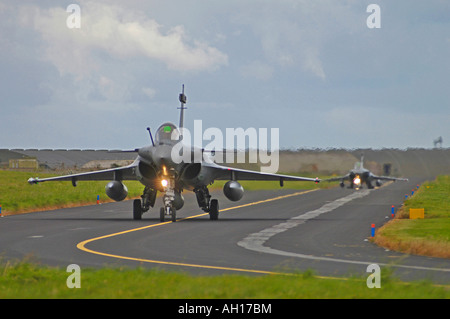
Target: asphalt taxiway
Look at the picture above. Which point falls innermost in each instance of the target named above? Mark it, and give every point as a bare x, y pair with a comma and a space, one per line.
277, 231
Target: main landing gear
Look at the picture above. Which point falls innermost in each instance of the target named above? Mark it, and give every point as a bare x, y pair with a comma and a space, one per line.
142, 205
148, 198
205, 202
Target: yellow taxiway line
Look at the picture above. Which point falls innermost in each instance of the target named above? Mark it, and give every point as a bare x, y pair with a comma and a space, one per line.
82, 245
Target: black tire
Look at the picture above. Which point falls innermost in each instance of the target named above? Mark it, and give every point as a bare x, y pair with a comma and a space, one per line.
174, 214
214, 210
137, 209
162, 214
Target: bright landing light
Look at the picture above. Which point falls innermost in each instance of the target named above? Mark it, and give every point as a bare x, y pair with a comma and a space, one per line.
164, 182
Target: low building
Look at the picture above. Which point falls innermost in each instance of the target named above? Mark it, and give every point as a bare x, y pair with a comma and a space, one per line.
23, 163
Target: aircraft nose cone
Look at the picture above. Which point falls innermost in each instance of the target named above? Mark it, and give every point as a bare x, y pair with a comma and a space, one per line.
163, 156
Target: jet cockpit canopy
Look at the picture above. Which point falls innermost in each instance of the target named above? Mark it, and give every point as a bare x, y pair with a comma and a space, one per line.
167, 134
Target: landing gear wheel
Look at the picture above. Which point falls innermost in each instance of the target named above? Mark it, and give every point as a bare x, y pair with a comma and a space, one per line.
171, 211
174, 214
214, 210
137, 209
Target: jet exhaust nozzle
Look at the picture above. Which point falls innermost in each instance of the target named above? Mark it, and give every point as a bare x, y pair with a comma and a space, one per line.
233, 190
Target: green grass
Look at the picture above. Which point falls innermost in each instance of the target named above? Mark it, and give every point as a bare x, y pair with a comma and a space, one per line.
434, 196
27, 280
429, 236
17, 196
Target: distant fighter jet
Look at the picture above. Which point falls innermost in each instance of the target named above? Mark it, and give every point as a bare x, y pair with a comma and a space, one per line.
360, 175
158, 172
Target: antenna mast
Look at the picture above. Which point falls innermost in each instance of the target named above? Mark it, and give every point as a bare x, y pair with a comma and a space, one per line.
182, 99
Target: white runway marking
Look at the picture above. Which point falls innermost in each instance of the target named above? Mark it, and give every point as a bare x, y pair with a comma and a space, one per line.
257, 240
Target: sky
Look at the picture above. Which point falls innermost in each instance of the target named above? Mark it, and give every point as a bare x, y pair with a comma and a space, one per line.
314, 70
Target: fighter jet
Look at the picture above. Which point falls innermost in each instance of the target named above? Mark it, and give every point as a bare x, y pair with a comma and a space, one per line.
157, 170
360, 175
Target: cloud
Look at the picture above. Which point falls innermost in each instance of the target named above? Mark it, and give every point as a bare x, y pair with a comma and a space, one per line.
150, 92
313, 63
112, 90
112, 31
257, 70
294, 34
292, 61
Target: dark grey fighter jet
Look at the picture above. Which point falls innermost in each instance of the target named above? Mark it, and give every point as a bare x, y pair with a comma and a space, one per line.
360, 175
155, 168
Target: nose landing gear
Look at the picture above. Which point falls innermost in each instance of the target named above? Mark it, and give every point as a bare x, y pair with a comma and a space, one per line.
167, 211
168, 199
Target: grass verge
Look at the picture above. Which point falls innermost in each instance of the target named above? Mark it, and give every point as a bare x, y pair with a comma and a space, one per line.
429, 236
17, 196
27, 280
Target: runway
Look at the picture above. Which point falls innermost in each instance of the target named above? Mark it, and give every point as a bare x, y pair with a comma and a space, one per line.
277, 231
